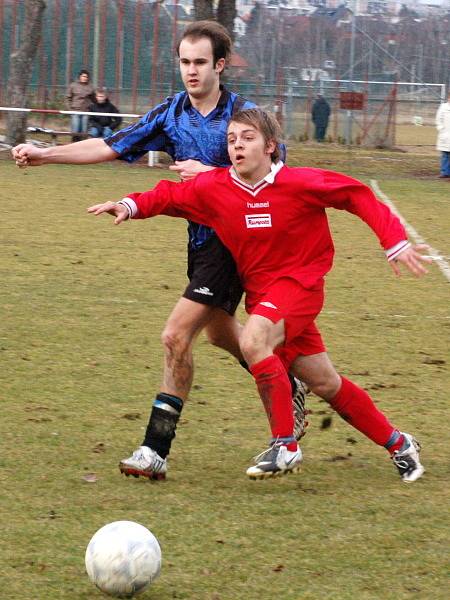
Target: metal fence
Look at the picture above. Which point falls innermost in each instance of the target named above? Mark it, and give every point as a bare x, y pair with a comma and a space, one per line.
129, 46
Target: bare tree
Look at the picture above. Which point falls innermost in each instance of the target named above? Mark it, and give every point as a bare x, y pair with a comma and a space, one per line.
225, 12
20, 69
203, 9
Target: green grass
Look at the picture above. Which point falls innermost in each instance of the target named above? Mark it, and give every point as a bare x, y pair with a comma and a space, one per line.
83, 304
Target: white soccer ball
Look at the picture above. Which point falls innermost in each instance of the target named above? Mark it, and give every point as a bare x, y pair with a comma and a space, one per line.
123, 558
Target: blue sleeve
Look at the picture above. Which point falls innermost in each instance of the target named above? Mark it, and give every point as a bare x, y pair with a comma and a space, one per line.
249, 104
134, 141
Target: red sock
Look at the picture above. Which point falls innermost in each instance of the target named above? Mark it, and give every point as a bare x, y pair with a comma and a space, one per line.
356, 406
396, 442
275, 391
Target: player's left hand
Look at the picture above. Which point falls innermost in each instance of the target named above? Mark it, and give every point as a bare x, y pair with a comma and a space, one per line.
117, 210
412, 259
188, 169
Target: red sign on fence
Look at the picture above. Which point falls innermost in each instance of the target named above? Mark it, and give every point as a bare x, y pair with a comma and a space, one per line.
351, 100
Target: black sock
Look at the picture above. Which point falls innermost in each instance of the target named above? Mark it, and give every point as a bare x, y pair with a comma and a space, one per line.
162, 423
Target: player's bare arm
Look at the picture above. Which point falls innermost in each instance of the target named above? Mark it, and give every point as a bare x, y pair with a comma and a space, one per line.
412, 259
94, 150
188, 169
111, 208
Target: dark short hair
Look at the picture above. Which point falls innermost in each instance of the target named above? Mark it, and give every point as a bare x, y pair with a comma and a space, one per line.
266, 123
84, 72
217, 34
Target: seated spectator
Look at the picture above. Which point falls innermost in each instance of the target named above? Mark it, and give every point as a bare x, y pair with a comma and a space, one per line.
102, 127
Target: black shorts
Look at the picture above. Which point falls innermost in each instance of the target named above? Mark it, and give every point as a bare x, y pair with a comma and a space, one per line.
213, 277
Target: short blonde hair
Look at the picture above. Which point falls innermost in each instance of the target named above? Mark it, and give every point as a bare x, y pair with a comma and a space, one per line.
266, 123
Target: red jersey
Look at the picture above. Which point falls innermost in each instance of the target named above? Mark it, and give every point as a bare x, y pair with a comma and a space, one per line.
277, 228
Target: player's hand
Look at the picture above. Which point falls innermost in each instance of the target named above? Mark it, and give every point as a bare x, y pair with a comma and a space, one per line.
116, 210
413, 260
27, 155
188, 169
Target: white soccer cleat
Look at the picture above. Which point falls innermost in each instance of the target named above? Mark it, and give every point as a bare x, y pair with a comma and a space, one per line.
144, 462
408, 461
275, 461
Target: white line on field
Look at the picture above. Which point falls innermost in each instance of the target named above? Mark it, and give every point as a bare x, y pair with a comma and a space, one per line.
434, 254
333, 313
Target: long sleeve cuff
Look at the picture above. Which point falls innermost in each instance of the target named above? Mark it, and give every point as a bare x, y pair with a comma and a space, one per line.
130, 205
393, 252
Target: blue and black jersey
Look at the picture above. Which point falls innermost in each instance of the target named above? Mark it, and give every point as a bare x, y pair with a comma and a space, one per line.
176, 127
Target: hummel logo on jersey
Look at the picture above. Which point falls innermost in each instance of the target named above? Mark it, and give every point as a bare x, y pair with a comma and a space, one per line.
258, 204
204, 290
253, 221
269, 305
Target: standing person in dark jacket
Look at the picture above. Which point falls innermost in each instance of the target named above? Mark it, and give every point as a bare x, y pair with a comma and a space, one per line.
99, 126
79, 96
320, 116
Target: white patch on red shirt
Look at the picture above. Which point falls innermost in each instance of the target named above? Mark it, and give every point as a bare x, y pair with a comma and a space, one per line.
253, 221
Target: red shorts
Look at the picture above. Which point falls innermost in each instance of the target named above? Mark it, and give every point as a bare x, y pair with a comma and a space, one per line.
287, 299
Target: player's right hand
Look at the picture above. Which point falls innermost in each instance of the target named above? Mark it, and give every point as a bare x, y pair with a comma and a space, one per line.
27, 155
112, 208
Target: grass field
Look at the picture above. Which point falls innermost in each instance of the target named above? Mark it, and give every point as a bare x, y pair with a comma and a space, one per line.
83, 304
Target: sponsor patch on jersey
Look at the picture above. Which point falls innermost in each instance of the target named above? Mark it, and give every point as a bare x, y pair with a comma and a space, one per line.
253, 221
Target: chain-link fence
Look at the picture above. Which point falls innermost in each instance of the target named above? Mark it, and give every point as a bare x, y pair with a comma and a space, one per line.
130, 47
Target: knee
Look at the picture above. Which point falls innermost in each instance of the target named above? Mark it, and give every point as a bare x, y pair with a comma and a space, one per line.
214, 337
175, 340
326, 387
249, 348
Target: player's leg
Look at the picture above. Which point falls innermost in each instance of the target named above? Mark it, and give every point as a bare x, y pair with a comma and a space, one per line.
355, 405
207, 272
224, 330
258, 339
183, 326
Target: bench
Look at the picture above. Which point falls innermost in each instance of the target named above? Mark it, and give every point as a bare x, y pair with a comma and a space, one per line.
53, 133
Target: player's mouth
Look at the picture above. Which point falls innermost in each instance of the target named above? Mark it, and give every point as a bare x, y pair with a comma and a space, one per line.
193, 82
239, 158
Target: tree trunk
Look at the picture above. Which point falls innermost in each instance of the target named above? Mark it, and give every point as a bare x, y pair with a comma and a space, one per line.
226, 13
203, 10
20, 71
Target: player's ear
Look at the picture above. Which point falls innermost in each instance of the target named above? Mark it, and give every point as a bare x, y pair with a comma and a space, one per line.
270, 146
220, 65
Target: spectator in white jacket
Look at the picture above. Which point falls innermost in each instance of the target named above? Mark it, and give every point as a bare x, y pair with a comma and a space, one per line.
443, 137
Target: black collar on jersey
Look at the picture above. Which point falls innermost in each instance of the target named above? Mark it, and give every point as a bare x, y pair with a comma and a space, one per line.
223, 99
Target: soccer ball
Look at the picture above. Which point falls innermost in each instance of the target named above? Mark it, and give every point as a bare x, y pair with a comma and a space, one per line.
123, 558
